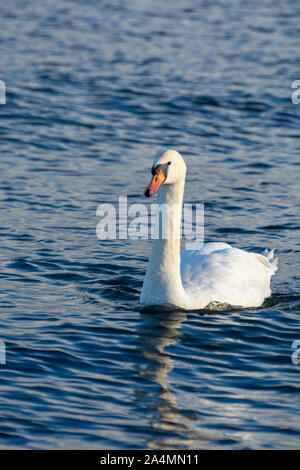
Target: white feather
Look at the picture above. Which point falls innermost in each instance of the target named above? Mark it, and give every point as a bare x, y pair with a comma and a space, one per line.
206, 276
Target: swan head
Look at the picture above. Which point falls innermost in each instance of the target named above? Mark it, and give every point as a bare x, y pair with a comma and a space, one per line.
168, 168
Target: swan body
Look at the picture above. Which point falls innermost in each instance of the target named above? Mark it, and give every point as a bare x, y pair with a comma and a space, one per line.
213, 274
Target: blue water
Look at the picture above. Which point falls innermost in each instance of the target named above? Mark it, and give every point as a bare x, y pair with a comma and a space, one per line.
94, 90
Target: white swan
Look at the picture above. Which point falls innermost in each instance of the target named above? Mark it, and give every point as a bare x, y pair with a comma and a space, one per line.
194, 279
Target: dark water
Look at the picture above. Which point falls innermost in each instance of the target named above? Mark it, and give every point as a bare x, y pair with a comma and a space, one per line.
94, 90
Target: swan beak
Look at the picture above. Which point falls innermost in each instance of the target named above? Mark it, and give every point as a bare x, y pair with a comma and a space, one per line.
155, 183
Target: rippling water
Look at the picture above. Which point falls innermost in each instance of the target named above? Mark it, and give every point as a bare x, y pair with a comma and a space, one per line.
94, 89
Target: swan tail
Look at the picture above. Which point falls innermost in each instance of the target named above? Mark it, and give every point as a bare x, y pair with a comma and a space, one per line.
268, 260
272, 261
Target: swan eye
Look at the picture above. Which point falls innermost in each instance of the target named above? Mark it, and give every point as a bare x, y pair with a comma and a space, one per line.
169, 163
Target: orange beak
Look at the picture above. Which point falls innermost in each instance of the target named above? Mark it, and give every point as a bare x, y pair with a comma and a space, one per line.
155, 183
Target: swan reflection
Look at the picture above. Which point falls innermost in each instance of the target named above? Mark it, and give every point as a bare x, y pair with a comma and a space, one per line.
172, 427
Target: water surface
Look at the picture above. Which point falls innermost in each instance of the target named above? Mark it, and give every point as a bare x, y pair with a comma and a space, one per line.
94, 90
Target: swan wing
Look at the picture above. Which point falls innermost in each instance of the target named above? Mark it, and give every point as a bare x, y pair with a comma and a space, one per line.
220, 273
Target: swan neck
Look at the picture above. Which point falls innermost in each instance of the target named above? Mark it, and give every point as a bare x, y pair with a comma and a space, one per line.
162, 284
168, 222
